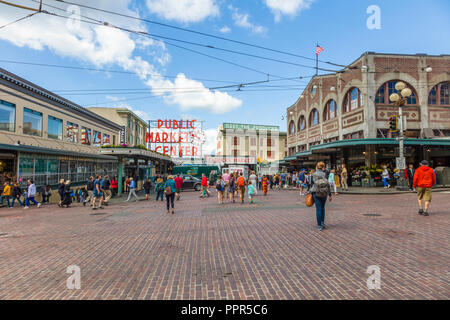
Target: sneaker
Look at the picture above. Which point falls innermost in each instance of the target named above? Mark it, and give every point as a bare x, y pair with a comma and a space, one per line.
94, 208
421, 211
320, 228
425, 213
101, 207
84, 204
324, 226
26, 207
38, 205
173, 211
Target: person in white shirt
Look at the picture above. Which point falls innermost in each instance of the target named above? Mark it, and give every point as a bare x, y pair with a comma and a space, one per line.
253, 178
31, 193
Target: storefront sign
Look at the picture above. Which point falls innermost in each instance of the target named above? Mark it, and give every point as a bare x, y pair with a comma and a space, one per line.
175, 138
123, 135
237, 126
230, 160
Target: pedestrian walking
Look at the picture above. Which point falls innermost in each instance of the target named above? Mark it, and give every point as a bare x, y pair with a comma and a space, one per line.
6, 193
385, 176
409, 175
204, 187
179, 184
344, 177
332, 181
169, 189
265, 184
220, 187
212, 176
147, 187
320, 189
253, 178
159, 188
132, 188
97, 194
16, 194
251, 191
90, 191
302, 181
106, 187
114, 187
226, 179
67, 195
232, 187
31, 193
61, 187
424, 180
260, 181
241, 186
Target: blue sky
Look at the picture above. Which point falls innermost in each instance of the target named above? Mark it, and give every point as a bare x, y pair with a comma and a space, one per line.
289, 25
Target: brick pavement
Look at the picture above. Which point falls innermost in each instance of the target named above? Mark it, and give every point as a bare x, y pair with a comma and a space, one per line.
207, 251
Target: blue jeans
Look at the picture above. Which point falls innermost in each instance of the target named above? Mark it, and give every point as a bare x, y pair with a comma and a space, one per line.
386, 182
30, 199
7, 200
160, 194
320, 209
18, 199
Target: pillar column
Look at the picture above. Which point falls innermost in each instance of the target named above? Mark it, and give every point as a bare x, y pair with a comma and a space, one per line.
120, 167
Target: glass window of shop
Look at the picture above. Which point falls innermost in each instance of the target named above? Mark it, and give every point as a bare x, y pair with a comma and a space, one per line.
32, 122
86, 136
55, 128
71, 132
97, 142
106, 139
7, 116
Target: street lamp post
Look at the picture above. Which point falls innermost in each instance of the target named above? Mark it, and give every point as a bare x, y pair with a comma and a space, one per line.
399, 101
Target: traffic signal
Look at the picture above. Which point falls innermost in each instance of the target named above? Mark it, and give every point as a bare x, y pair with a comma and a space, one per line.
393, 124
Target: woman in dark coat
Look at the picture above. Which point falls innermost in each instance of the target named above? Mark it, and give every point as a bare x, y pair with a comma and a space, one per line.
61, 187
67, 199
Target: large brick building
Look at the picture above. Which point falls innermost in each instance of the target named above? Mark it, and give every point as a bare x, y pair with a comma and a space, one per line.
344, 117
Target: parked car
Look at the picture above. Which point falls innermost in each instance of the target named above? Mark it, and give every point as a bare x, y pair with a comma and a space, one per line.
190, 182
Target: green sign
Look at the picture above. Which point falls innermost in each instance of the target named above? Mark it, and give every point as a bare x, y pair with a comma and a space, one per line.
239, 126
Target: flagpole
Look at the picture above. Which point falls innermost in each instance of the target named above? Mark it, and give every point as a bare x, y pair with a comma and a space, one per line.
317, 61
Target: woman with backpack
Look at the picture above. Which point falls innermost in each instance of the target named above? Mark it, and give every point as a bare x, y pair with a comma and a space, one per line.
169, 189
220, 187
319, 187
232, 187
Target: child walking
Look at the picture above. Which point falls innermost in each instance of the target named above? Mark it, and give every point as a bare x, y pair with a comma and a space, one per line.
251, 191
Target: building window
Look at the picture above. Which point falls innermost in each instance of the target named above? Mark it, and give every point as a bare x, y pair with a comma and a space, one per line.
440, 95
353, 100
97, 142
7, 116
269, 154
354, 135
253, 153
55, 128
291, 127
301, 123
235, 153
314, 118
32, 122
313, 90
269, 142
388, 88
330, 110
106, 140
235, 141
86, 136
253, 141
72, 132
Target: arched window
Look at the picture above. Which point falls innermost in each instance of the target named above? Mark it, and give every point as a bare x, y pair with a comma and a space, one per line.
301, 123
314, 118
353, 100
292, 127
330, 110
388, 88
440, 95
313, 90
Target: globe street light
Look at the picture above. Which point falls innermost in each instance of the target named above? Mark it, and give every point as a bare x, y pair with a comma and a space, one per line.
400, 101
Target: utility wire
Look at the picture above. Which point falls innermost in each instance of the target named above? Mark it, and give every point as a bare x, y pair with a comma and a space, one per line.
18, 6
198, 32
20, 19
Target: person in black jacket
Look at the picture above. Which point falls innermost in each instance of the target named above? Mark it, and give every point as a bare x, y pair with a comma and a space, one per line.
61, 187
67, 199
107, 189
16, 194
147, 188
409, 173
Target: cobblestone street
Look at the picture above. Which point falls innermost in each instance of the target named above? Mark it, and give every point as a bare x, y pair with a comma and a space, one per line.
270, 250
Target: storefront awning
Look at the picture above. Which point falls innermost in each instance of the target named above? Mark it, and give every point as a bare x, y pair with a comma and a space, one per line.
48, 151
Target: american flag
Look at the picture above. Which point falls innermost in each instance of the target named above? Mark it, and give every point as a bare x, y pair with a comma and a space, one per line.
319, 49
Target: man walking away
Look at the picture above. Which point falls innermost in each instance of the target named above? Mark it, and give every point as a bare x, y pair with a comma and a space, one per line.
409, 174
98, 194
147, 187
169, 189
132, 190
424, 180
90, 190
107, 189
226, 178
31, 193
204, 186
320, 189
159, 188
241, 186
253, 179
179, 184
344, 177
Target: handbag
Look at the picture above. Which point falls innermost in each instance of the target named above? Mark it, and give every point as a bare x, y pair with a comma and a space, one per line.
309, 200
168, 190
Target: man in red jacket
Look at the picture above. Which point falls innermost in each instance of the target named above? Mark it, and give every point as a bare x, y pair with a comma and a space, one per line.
179, 185
424, 180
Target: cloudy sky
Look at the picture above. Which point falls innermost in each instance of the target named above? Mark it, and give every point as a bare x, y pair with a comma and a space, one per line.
183, 77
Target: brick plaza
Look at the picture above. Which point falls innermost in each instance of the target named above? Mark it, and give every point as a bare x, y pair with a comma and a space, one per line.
271, 250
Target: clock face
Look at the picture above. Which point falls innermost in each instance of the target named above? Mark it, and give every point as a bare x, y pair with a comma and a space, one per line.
197, 137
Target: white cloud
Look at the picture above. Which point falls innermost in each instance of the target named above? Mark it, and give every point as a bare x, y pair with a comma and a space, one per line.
118, 102
184, 10
242, 20
190, 94
287, 7
210, 146
225, 29
104, 46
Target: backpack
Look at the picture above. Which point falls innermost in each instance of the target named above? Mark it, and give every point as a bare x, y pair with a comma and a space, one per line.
322, 187
219, 186
241, 182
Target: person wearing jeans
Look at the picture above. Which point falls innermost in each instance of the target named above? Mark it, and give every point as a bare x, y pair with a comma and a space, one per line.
31, 193
132, 190
159, 188
16, 193
320, 201
170, 188
6, 193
